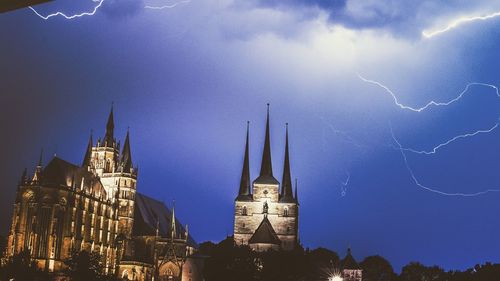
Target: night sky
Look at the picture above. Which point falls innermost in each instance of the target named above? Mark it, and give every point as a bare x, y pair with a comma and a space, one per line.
186, 79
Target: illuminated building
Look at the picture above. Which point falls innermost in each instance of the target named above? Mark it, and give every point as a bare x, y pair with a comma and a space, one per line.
265, 216
95, 207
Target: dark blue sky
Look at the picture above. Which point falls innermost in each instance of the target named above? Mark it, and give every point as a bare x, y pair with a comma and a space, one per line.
187, 79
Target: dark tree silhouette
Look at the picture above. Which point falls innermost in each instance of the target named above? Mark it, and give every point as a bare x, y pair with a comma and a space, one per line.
416, 271
229, 262
85, 266
3, 244
376, 268
22, 267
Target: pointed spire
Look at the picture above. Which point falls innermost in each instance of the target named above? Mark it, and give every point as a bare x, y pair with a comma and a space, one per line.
88, 152
24, 176
126, 160
244, 193
38, 170
40, 160
110, 127
286, 183
173, 230
266, 167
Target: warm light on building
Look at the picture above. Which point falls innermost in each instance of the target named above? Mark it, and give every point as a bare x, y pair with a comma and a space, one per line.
336, 278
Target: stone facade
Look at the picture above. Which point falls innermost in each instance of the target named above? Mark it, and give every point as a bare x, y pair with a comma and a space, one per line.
266, 203
95, 207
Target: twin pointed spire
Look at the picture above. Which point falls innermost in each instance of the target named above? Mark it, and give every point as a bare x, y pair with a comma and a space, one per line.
244, 193
286, 183
266, 169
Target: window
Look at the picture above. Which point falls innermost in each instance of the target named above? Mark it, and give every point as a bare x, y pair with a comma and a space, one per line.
285, 212
244, 211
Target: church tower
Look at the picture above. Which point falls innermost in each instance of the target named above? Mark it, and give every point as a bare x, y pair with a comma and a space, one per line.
116, 172
265, 216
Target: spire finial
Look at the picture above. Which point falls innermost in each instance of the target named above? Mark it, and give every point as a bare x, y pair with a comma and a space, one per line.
110, 126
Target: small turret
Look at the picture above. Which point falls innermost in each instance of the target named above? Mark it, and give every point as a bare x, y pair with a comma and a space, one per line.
126, 159
38, 170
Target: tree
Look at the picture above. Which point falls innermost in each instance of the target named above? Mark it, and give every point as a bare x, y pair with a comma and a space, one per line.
229, 262
417, 272
85, 266
3, 244
376, 268
22, 267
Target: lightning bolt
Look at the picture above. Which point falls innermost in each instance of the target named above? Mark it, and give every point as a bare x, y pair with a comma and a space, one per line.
99, 4
344, 184
417, 182
431, 103
166, 6
435, 149
344, 135
457, 22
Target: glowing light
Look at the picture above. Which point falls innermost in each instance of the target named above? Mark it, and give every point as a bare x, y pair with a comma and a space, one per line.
434, 190
457, 22
99, 4
434, 150
336, 278
166, 6
431, 103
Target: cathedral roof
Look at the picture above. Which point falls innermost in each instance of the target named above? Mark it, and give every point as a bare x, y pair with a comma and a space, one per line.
62, 173
265, 234
146, 212
349, 262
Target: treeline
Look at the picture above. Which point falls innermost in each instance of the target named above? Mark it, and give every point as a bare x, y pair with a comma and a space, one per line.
228, 262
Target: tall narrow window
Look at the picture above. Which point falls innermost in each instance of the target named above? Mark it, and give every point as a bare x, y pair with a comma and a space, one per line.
244, 211
285, 212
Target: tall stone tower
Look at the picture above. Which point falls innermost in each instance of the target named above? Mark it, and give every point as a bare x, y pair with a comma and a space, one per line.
265, 216
116, 172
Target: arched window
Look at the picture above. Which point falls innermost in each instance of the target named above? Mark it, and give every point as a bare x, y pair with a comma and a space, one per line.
285, 212
244, 211
108, 166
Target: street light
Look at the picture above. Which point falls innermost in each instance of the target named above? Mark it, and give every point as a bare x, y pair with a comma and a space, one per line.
336, 278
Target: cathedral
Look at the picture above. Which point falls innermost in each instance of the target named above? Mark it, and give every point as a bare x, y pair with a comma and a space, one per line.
265, 216
96, 207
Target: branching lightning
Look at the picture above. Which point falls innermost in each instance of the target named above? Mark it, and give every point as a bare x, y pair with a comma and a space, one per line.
166, 6
99, 4
344, 135
457, 22
417, 182
344, 184
431, 103
435, 149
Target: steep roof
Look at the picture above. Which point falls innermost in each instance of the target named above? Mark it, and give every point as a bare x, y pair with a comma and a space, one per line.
265, 234
349, 262
62, 173
146, 212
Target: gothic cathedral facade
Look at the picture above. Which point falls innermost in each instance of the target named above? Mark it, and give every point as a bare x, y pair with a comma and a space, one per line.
265, 215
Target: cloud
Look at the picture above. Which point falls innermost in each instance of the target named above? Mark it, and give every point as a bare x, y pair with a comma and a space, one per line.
122, 8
